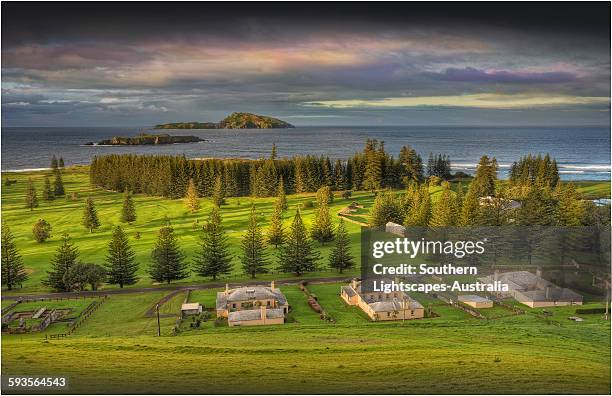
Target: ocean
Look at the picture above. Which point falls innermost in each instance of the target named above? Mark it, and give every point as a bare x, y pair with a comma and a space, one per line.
583, 153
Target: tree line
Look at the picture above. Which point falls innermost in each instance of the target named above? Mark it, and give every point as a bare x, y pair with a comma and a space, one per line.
533, 196
169, 176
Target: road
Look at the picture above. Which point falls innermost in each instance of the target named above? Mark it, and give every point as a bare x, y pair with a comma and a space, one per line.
213, 285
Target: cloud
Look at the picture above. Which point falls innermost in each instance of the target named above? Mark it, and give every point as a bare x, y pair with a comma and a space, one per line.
471, 74
148, 72
481, 101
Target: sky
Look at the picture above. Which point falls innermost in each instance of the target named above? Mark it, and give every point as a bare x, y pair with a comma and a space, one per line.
311, 64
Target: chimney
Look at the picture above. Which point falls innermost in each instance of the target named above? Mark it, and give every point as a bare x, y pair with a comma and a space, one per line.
263, 313
226, 289
496, 275
272, 285
539, 272
547, 292
354, 284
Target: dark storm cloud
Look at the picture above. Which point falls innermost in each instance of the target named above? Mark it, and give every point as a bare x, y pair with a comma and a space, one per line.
156, 62
39, 21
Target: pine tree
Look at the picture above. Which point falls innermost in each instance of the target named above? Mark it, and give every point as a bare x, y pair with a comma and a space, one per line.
340, 257
254, 257
58, 184
281, 197
47, 192
412, 165
167, 260
324, 194
444, 213
469, 213
297, 255
322, 229
276, 234
90, 215
54, 162
273, 153
373, 171
120, 262
537, 208
570, 208
13, 271
64, 259
61, 162
218, 192
31, 198
484, 180
41, 230
420, 213
213, 258
128, 212
192, 201
340, 182
387, 207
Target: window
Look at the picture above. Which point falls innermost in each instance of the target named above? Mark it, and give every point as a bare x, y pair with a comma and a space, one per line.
234, 306
388, 314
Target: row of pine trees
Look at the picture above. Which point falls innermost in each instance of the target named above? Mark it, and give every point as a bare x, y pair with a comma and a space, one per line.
169, 176
543, 200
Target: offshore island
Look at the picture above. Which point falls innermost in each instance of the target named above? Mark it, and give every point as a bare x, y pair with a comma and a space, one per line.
146, 139
233, 121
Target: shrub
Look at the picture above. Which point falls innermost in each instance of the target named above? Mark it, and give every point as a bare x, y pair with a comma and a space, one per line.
308, 204
347, 194
41, 230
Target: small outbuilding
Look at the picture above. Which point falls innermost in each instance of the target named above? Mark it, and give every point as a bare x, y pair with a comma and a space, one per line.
475, 301
396, 229
191, 309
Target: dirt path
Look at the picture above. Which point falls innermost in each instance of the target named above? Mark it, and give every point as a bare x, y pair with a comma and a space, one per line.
213, 285
151, 311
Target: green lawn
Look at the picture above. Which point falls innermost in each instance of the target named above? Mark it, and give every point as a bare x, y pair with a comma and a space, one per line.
65, 215
514, 355
205, 297
117, 351
124, 315
593, 189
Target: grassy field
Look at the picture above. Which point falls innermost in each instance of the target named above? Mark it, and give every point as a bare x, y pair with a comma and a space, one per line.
65, 217
117, 351
512, 355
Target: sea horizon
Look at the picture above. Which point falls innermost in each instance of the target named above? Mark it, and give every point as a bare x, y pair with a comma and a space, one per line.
582, 152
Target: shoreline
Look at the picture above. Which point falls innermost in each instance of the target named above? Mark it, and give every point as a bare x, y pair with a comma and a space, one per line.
81, 166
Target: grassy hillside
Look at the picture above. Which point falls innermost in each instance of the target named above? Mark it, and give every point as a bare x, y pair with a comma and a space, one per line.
65, 216
511, 355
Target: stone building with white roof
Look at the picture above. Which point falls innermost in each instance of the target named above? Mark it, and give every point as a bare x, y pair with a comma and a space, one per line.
252, 305
396, 305
533, 290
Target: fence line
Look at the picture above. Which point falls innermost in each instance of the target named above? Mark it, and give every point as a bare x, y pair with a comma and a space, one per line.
91, 308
